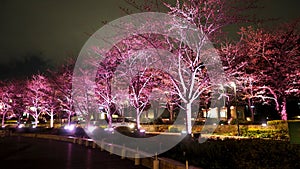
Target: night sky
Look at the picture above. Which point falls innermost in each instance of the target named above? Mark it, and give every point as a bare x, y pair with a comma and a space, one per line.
56, 29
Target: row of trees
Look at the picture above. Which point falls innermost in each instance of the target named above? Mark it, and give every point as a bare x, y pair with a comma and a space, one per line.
266, 65
262, 66
40, 94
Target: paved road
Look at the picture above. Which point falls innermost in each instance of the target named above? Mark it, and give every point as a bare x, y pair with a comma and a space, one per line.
33, 153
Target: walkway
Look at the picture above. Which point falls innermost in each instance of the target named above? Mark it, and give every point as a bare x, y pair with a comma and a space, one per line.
34, 153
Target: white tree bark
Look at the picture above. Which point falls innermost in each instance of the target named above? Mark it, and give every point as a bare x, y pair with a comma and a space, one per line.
189, 118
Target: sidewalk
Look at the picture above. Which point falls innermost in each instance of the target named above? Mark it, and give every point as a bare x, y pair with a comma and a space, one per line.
34, 153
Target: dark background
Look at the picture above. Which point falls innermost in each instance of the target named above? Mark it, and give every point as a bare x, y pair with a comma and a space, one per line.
56, 29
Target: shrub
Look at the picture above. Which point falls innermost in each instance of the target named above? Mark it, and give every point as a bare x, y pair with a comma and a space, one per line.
173, 129
281, 122
233, 153
266, 133
241, 121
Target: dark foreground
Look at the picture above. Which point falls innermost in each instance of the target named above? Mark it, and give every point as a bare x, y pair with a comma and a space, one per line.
32, 153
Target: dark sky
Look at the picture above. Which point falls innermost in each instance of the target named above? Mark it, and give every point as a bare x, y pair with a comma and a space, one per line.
56, 29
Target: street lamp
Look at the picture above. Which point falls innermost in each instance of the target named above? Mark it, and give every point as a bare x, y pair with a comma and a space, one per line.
237, 114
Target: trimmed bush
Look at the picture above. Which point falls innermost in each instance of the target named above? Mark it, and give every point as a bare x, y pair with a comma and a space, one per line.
267, 133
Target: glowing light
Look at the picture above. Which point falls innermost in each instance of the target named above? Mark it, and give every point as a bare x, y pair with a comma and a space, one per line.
102, 116
131, 126
264, 124
70, 127
114, 116
229, 121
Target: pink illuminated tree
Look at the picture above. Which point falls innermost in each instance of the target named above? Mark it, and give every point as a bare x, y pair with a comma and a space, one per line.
135, 80
37, 96
84, 95
19, 93
266, 64
61, 82
105, 98
6, 99
149, 87
53, 105
122, 77
209, 17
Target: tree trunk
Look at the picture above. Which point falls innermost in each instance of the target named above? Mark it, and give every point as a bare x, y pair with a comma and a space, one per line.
122, 111
138, 118
36, 120
69, 119
219, 112
283, 112
109, 118
189, 118
171, 112
251, 110
51, 119
3, 118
